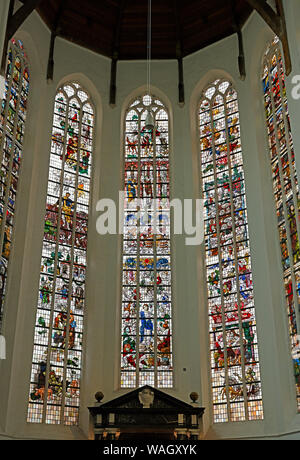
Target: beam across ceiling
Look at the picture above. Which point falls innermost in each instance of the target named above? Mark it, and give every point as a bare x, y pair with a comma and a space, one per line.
238, 29
54, 33
179, 55
14, 21
17, 18
275, 20
115, 56
267, 13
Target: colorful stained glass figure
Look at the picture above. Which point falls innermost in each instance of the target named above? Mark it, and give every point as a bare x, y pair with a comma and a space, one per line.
56, 369
286, 190
235, 370
146, 350
12, 129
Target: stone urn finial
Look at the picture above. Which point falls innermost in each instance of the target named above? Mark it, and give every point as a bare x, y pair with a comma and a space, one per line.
194, 396
99, 396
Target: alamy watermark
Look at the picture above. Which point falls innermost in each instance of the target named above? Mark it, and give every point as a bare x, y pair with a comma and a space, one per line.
296, 87
141, 214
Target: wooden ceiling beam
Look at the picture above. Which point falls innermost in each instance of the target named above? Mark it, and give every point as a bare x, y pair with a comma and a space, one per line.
267, 13
238, 30
179, 56
17, 18
284, 38
276, 20
201, 23
14, 21
54, 33
115, 56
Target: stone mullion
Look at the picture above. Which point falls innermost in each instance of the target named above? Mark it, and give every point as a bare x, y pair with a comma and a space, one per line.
241, 331
72, 251
171, 242
122, 254
58, 229
218, 231
138, 257
156, 221
203, 197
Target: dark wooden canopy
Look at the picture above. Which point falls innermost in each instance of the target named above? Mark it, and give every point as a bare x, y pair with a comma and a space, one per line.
118, 29
106, 25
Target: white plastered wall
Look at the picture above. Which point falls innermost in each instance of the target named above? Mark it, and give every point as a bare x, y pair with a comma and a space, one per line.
102, 341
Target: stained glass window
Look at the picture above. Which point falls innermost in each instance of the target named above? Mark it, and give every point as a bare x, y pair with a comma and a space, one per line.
12, 128
146, 352
286, 190
234, 359
57, 354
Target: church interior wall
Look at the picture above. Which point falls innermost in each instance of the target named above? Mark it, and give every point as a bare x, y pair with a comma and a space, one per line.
102, 341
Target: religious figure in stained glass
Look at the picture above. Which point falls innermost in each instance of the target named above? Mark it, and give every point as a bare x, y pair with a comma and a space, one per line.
234, 359
56, 369
146, 350
286, 190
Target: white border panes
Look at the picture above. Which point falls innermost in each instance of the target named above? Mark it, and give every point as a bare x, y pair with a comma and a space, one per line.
235, 370
12, 128
286, 191
146, 330
57, 355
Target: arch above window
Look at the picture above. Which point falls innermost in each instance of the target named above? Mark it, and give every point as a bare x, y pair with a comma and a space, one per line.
234, 360
57, 355
146, 351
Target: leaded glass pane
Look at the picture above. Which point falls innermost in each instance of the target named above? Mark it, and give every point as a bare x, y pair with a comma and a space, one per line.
57, 354
146, 351
235, 371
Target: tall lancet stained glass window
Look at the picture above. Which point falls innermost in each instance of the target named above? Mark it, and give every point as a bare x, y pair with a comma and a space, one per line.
57, 355
146, 351
235, 370
286, 190
12, 128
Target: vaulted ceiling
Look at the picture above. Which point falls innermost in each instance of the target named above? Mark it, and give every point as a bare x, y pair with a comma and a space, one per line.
108, 26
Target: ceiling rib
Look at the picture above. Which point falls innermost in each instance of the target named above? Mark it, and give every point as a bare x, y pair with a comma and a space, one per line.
14, 21
276, 20
54, 33
115, 55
